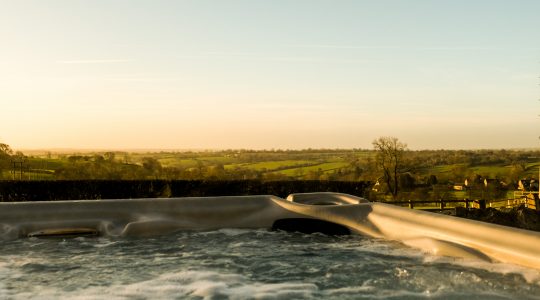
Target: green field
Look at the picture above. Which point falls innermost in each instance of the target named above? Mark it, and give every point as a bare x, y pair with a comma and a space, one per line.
490, 171
319, 164
273, 165
323, 167
286, 163
178, 162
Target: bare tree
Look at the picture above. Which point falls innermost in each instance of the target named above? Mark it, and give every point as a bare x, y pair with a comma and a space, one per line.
389, 160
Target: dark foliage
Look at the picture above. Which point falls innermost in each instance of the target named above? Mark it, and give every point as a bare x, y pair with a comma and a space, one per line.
520, 217
15, 191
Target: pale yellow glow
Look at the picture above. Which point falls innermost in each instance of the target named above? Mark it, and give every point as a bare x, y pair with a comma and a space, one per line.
178, 76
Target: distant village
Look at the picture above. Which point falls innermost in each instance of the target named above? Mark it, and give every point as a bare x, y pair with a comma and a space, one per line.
498, 193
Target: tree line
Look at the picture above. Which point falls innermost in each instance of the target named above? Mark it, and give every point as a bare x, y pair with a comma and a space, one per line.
399, 172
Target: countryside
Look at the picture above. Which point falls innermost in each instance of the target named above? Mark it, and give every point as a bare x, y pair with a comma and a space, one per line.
492, 175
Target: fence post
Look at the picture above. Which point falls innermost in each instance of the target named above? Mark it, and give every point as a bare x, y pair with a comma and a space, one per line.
482, 204
411, 205
467, 203
441, 205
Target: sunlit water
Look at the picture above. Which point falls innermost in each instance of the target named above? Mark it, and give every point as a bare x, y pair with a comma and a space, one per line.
244, 264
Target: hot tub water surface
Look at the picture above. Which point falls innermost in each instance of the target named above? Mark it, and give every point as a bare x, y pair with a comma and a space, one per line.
245, 264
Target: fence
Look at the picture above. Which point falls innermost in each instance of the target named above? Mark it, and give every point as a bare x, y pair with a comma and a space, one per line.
528, 202
528, 199
439, 204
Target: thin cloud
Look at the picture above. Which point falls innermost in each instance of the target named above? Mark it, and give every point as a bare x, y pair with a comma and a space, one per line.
266, 57
93, 61
434, 48
145, 79
344, 47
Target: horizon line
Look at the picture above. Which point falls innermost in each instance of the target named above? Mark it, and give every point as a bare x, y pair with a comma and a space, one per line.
141, 150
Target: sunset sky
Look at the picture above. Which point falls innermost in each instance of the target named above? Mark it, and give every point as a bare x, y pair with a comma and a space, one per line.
269, 74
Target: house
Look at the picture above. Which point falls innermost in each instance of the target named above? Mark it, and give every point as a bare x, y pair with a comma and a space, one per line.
480, 182
528, 185
474, 182
468, 184
376, 186
494, 182
459, 187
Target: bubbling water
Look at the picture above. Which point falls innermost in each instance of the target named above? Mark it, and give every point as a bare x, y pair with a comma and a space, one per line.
246, 264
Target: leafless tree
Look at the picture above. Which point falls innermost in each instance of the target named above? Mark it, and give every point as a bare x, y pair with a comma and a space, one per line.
390, 161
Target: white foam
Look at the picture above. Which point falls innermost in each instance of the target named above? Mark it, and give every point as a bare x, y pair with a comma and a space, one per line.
9, 272
532, 276
235, 232
8, 232
374, 292
3, 275
203, 284
365, 287
104, 243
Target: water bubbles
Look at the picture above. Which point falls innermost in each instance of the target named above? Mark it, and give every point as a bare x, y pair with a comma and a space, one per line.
241, 264
401, 273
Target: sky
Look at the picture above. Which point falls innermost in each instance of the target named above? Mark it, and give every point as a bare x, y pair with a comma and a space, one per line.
269, 74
